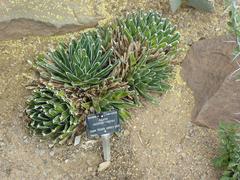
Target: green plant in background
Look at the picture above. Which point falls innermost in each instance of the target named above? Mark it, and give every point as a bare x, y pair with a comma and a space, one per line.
103, 70
234, 25
205, 5
52, 114
229, 151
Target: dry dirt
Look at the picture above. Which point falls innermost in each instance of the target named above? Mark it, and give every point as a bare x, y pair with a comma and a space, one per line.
158, 143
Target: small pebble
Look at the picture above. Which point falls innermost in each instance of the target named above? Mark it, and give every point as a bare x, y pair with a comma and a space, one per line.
20, 115
103, 166
183, 155
90, 169
126, 133
50, 145
25, 141
178, 149
52, 153
77, 140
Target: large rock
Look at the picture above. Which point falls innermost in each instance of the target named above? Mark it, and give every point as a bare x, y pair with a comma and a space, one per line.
207, 70
45, 17
19, 18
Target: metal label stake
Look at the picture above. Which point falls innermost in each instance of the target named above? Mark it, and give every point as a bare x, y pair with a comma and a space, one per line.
103, 124
106, 146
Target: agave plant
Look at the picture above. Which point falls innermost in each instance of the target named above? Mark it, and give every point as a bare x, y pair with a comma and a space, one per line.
82, 63
105, 69
144, 43
114, 99
110, 94
149, 75
149, 28
52, 115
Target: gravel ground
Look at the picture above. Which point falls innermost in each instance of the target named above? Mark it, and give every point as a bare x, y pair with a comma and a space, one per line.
158, 143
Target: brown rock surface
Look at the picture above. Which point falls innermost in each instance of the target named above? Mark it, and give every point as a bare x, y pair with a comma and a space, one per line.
207, 70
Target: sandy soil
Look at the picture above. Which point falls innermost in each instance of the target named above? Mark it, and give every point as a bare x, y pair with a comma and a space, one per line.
158, 143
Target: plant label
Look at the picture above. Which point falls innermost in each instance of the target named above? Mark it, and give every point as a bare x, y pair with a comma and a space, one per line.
102, 123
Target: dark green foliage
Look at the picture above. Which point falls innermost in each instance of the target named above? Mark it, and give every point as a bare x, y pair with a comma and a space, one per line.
150, 29
229, 151
234, 25
52, 114
114, 99
105, 69
109, 95
149, 75
149, 42
82, 63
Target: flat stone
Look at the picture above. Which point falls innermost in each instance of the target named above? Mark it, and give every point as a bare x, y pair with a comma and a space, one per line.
21, 18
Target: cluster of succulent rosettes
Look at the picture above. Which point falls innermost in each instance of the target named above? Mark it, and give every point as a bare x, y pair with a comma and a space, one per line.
105, 69
52, 114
